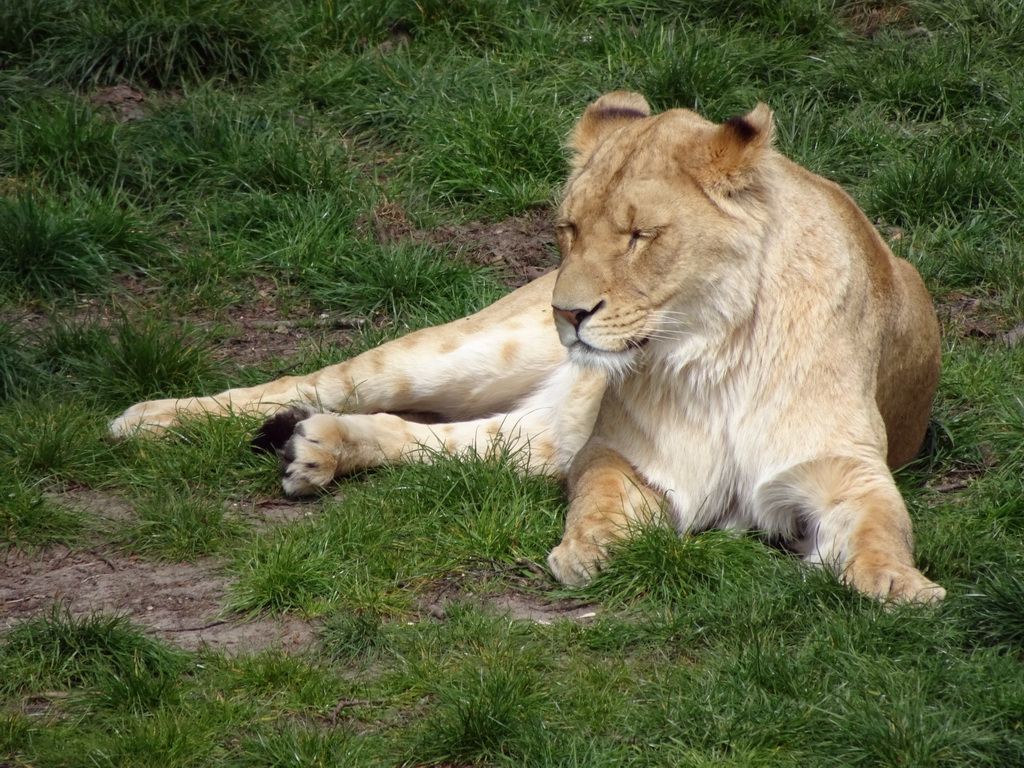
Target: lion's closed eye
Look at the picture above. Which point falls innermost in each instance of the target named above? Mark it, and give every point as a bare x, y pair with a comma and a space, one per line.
639, 236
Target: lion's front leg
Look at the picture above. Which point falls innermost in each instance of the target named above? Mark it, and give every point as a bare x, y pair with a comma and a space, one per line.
155, 417
324, 446
855, 522
607, 499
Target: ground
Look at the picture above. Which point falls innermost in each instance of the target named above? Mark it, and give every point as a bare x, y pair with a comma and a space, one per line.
184, 603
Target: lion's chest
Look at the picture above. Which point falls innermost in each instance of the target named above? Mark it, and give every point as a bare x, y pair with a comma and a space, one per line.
690, 442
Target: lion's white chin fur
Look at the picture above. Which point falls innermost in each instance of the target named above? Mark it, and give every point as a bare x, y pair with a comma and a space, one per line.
616, 364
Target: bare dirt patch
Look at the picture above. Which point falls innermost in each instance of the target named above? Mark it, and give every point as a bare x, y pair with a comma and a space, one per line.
184, 603
967, 315
521, 247
523, 592
873, 18
523, 606
124, 102
181, 603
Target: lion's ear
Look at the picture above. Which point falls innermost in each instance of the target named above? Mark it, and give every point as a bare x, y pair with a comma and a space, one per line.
607, 114
734, 149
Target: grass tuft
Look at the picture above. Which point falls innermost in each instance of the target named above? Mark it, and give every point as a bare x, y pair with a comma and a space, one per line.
50, 251
19, 370
181, 527
997, 614
29, 520
294, 746
15, 733
288, 572
411, 282
656, 564
486, 712
162, 45
495, 153
61, 650
349, 636
50, 439
128, 360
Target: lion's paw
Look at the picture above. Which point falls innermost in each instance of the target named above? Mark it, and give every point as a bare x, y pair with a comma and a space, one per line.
311, 458
576, 562
894, 583
275, 432
150, 418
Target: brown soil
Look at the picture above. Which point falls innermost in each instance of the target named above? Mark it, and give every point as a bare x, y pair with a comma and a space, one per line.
184, 603
521, 247
124, 103
181, 603
966, 315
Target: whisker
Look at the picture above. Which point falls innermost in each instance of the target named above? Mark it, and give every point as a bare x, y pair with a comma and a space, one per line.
667, 334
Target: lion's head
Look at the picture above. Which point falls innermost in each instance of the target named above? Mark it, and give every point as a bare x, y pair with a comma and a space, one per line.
660, 222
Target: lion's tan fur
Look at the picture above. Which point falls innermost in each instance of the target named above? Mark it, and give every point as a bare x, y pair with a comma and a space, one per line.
739, 349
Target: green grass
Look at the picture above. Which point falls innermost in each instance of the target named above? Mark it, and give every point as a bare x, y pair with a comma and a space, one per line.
249, 187
180, 527
53, 441
399, 281
29, 520
159, 44
417, 522
483, 712
51, 250
18, 368
129, 359
104, 653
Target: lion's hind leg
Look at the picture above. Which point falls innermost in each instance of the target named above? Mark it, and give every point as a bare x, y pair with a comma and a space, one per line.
852, 519
462, 370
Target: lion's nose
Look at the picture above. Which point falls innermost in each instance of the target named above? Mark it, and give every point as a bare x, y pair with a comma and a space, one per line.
575, 317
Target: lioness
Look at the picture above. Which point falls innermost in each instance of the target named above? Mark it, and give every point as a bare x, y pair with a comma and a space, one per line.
732, 346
